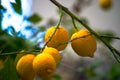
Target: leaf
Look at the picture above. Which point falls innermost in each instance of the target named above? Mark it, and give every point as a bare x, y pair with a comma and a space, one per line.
115, 72
42, 28
17, 6
107, 33
8, 71
35, 18
84, 20
2, 8
57, 77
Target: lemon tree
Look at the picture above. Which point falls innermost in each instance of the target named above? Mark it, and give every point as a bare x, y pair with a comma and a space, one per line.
56, 39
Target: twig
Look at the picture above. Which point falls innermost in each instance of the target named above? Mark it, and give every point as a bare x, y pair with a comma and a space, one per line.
53, 32
18, 52
112, 49
110, 37
3, 54
74, 24
71, 40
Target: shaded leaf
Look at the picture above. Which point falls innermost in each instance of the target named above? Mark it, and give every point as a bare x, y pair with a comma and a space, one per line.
8, 71
35, 18
57, 77
107, 33
84, 20
1, 7
42, 28
17, 6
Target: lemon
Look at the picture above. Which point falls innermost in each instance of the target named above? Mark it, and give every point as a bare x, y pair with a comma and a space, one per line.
61, 35
105, 4
44, 65
24, 67
53, 52
83, 43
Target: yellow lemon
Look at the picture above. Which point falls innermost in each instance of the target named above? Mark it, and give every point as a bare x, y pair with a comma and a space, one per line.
60, 36
44, 65
83, 43
53, 52
105, 4
24, 67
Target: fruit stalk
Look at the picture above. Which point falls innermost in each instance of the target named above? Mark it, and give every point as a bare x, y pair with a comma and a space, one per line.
112, 49
74, 24
54, 31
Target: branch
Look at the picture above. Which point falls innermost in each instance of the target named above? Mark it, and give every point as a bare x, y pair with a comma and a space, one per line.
71, 40
112, 49
110, 37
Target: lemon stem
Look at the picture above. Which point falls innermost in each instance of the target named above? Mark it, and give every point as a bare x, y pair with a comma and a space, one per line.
73, 21
54, 30
112, 49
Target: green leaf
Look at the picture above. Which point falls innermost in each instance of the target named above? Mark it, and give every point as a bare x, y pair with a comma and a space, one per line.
57, 77
84, 20
18, 1
107, 33
17, 6
2, 8
115, 72
8, 71
42, 28
35, 18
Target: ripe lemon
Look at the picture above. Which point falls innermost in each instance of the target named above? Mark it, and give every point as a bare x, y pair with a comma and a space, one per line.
105, 4
24, 67
53, 52
84, 46
60, 36
44, 65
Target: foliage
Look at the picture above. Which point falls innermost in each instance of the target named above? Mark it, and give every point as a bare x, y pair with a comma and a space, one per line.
8, 71
11, 43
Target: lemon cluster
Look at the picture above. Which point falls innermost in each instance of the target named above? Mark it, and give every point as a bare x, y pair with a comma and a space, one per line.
44, 64
82, 41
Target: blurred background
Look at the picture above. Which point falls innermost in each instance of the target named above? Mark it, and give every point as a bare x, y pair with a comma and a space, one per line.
23, 26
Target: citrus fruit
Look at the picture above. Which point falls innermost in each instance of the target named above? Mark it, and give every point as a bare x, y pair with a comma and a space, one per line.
44, 65
53, 52
105, 4
83, 43
24, 67
60, 36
